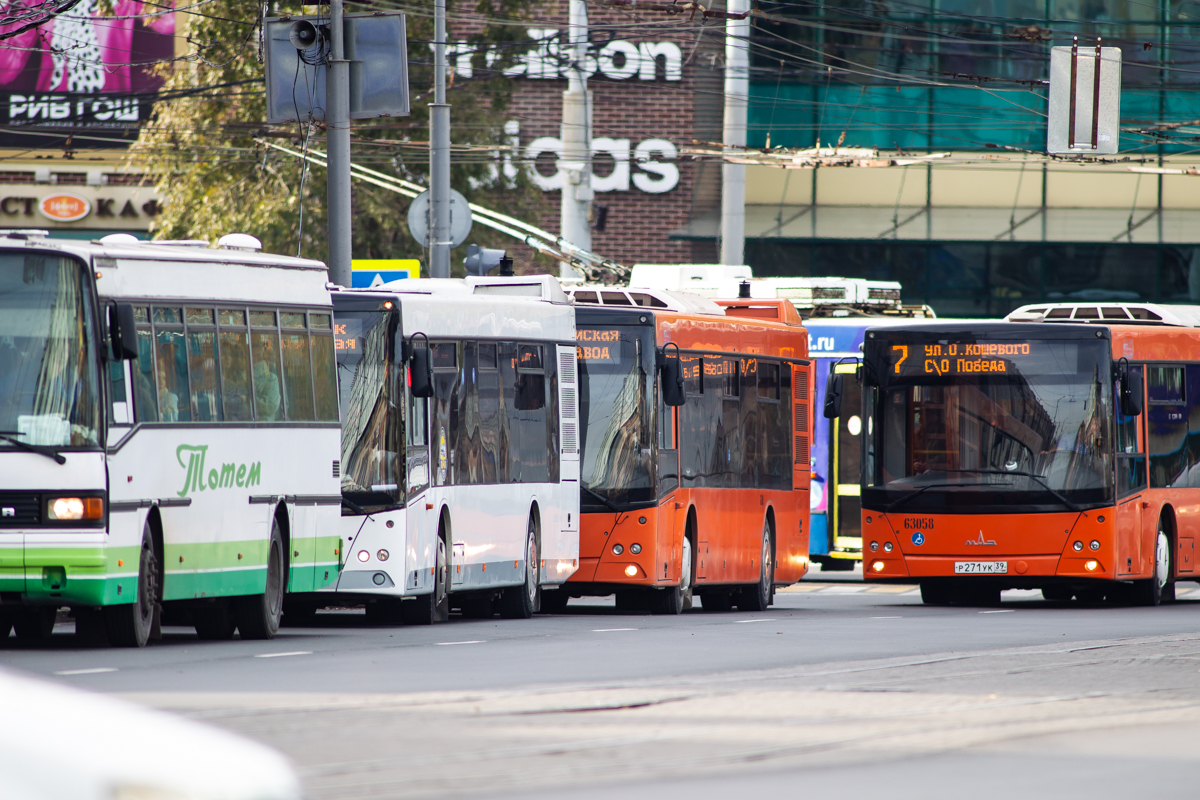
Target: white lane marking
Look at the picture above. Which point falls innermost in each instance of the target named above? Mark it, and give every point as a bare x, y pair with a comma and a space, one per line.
92, 671
473, 641
885, 617
610, 630
744, 621
999, 611
281, 655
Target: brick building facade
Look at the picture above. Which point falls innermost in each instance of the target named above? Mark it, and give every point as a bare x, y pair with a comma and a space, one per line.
657, 86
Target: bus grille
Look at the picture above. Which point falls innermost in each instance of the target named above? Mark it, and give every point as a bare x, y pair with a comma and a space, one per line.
19, 509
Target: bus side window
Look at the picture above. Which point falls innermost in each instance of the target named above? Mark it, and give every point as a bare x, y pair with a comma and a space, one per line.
488, 389
144, 392
1131, 459
324, 367
297, 369
264, 354
418, 421
202, 364
174, 396
116, 393
1166, 418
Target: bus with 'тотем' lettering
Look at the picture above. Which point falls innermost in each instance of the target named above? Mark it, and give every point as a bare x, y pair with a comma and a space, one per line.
1057, 450
693, 437
168, 436
460, 463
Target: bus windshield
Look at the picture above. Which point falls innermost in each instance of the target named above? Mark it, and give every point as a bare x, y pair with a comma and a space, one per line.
49, 362
615, 365
372, 409
989, 424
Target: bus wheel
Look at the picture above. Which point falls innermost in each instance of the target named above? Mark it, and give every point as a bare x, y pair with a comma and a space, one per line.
758, 596
258, 615
434, 607
34, 623
672, 599
214, 623
519, 602
936, 593
1159, 589
129, 625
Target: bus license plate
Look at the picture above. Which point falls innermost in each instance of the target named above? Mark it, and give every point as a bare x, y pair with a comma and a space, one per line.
980, 567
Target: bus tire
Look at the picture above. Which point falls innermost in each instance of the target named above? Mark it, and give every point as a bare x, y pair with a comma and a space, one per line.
130, 624
34, 623
434, 607
214, 623
554, 601
757, 597
1159, 589
519, 602
6, 624
672, 599
258, 615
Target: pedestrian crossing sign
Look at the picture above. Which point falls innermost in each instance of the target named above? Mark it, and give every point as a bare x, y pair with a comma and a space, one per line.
365, 273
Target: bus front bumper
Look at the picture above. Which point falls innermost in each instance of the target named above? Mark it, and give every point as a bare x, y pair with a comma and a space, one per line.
65, 568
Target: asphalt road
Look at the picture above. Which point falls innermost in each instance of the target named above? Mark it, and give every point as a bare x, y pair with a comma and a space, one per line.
839, 687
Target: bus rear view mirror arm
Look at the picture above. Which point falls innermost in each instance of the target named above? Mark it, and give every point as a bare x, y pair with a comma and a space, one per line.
122, 332
420, 367
833, 396
671, 372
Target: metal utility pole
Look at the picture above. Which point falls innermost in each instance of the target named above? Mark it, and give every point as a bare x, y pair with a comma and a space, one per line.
737, 90
576, 134
337, 141
439, 153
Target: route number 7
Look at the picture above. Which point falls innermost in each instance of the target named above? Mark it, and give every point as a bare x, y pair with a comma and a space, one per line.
903, 348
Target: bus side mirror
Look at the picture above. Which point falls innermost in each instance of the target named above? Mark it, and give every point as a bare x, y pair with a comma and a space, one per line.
671, 374
833, 396
122, 332
420, 372
1132, 391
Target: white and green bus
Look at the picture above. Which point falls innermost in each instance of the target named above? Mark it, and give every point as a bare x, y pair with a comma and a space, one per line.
169, 435
460, 459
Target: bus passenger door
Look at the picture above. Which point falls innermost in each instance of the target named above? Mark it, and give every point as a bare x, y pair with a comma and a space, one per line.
420, 552
845, 467
1131, 482
667, 523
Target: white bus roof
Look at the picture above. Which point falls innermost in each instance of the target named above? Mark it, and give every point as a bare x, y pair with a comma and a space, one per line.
1109, 313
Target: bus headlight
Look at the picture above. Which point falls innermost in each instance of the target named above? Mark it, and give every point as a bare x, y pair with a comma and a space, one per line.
874, 546
877, 566
635, 548
1078, 546
363, 555
618, 549
887, 547
382, 555
631, 571
1091, 565
1095, 545
75, 508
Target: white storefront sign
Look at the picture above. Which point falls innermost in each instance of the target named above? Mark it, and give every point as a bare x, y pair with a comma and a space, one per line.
617, 60
655, 173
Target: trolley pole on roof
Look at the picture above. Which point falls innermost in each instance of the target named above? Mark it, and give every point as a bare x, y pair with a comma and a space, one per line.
576, 134
439, 153
337, 136
737, 90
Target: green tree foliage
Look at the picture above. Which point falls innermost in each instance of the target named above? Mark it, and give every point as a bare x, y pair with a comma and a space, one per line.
203, 147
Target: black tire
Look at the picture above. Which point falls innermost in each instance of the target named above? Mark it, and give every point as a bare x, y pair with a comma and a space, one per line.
757, 597
258, 615
1058, 594
34, 623
381, 611
716, 601
519, 602
6, 624
130, 624
554, 601
673, 599
215, 622
1161, 588
428, 609
936, 593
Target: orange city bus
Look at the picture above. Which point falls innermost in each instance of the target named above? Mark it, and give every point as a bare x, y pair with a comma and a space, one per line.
694, 440
1059, 450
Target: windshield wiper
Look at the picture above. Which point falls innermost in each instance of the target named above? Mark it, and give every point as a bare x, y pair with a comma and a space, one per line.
611, 505
41, 450
1040, 479
897, 503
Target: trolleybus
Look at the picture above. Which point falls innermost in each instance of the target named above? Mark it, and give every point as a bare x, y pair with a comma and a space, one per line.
168, 435
1055, 451
460, 467
694, 434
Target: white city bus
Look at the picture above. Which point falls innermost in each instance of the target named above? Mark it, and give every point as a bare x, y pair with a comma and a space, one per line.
467, 497
168, 435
